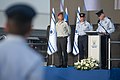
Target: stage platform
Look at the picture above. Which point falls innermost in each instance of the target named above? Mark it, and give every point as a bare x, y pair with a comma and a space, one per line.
53, 73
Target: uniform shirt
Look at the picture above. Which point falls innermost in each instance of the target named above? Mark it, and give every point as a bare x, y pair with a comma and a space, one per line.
62, 29
107, 24
82, 27
18, 61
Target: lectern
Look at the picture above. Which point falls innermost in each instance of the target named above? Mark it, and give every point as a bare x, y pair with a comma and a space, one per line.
97, 47
94, 45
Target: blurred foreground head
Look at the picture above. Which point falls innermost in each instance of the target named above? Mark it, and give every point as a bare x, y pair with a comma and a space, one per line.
19, 19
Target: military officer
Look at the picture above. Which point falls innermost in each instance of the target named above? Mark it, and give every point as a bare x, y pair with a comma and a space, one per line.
81, 28
63, 30
105, 27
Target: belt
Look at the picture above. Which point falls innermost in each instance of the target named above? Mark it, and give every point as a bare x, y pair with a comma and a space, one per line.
82, 35
62, 37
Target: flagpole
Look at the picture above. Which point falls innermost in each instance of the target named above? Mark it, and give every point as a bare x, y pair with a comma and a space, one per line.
109, 65
52, 60
68, 38
75, 46
78, 57
52, 43
61, 5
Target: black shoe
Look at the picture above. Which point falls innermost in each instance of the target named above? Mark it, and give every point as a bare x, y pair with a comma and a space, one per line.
64, 66
59, 66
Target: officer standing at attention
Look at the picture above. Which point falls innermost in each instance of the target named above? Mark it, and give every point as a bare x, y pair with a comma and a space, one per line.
81, 28
105, 27
63, 30
17, 60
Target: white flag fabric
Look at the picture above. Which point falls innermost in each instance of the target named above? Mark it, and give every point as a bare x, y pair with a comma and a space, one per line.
52, 43
91, 5
75, 46
117, 4
68, 39
61, 5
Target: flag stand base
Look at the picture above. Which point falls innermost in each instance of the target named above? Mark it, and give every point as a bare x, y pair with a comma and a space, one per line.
51, 65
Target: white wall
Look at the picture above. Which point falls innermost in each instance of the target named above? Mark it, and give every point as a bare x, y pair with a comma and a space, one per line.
41, 6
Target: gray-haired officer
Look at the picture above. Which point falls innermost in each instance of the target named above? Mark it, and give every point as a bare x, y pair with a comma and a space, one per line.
82, 27
104, 23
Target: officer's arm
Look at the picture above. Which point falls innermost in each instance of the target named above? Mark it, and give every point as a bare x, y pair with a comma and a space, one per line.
69, 29
111, 27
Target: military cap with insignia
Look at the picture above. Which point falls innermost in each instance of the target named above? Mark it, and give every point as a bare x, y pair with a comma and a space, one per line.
82, 14
21, 11
99, 13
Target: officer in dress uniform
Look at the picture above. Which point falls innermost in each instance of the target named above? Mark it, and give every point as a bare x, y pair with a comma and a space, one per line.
81, 28
17, 60
105, 27
63, 31
104, 23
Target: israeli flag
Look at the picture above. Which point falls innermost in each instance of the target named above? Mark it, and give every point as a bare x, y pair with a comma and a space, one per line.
75, 46
61, 5
68, 39
52, 43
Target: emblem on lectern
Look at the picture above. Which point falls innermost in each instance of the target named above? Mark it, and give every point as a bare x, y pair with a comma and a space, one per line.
94, 45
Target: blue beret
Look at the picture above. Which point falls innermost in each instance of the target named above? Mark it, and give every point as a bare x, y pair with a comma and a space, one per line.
20, 9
